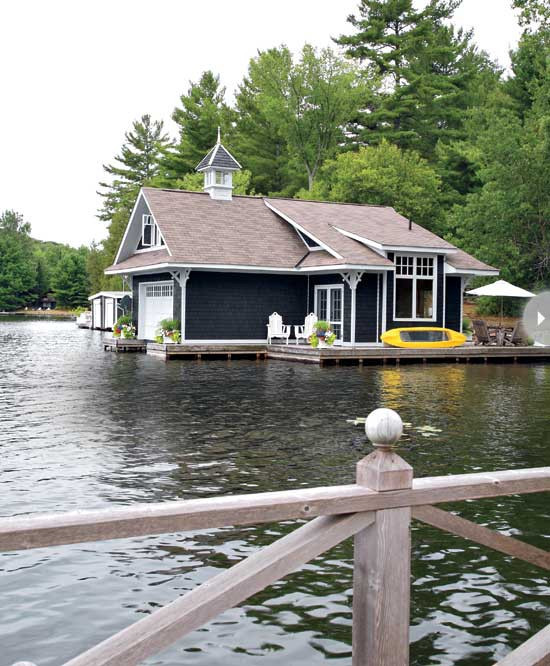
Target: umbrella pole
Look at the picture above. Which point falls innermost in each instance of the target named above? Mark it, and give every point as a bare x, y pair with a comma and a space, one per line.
501, 309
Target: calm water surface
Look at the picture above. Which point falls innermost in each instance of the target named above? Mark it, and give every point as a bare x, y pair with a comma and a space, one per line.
81, 428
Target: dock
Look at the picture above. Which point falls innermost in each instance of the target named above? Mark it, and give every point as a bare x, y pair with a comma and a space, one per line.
376, 355
359, 355
124, 345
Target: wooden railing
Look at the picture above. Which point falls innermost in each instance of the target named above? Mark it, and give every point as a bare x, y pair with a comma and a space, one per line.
376, 510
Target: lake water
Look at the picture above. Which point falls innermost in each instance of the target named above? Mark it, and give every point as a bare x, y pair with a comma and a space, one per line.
81, 429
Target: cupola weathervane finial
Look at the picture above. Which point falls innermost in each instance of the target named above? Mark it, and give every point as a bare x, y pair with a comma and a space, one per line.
219, 135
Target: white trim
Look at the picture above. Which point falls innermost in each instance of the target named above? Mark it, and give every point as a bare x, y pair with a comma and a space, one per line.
110, 294
184, 277
352, 279
378, 307
413, 279
307, 233
337, 268
451, 270
141, 296
318, 287
160, 247
444, 314
384, 302
375, 245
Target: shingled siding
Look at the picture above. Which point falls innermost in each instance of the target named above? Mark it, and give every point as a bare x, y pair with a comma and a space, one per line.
158, 277
391, 323
366, 309
334, 278
453, 300
236, 306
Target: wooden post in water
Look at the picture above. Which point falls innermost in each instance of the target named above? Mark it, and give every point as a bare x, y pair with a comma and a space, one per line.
382, 559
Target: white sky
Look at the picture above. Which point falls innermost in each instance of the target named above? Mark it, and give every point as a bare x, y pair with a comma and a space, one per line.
75, 74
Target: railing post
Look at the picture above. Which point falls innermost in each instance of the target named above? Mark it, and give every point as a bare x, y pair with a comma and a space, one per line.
382, 559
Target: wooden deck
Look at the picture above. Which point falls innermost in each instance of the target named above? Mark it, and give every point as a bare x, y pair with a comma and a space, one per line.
198, 351
124, 345
382, 355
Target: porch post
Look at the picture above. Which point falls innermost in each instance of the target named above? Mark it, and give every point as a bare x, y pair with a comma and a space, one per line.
184, 276
352, 279
382, 554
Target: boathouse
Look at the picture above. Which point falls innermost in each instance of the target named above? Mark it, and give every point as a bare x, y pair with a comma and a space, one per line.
221, 264
107, 306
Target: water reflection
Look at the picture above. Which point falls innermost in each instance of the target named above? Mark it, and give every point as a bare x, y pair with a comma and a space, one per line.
81, 428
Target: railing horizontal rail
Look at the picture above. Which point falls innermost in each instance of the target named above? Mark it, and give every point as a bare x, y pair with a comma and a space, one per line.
229, 588
534, 652
38, 531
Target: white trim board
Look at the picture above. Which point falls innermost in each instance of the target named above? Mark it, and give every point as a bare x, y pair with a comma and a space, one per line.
381, 247
304, 231
337, 268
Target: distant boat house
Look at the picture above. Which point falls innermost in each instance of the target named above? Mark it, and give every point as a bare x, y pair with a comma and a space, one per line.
221, 264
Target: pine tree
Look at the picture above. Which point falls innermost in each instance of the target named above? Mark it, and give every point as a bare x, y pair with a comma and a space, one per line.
70, 282
136, 165
202, 111
17, 262
422, 67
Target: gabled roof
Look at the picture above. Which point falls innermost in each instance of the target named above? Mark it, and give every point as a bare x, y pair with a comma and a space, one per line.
380, 225
262, 233
220, 158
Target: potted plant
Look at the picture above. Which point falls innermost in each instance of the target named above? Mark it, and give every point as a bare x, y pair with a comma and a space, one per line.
170, 330
322, 336
128, 331
123, 320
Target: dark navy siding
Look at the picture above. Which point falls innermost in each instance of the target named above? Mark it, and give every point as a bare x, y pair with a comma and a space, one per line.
236, 306
366, 308
391, 323
453, 302
157, 277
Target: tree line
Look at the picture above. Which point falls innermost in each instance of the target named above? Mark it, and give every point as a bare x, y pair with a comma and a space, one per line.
403, 110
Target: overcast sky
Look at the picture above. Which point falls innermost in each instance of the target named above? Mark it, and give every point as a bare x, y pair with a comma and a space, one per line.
75, 74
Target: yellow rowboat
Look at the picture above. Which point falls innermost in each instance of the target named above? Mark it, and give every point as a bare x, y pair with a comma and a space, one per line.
423, 337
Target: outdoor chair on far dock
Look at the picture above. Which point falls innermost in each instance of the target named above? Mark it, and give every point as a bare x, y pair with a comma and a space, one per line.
517, 338
303, 331
481, 333
276, 328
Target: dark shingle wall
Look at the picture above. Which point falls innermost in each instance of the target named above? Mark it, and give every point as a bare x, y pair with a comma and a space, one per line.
365, 308
452, 303
236, 306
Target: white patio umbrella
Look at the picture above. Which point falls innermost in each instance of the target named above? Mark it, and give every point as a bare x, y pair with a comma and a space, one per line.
503, 289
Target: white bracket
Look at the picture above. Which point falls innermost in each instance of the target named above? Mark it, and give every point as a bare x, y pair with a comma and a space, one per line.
181, 277
353, 278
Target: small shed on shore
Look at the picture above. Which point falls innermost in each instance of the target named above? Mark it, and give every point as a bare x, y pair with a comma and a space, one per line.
107, 306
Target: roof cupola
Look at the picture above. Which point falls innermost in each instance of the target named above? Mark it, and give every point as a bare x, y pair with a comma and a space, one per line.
218, 166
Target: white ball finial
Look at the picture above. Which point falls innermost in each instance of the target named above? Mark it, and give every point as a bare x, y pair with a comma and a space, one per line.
384, 427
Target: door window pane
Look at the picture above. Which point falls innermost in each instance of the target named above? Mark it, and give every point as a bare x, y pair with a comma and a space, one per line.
335, 304
403, 298
322, 304
424, 299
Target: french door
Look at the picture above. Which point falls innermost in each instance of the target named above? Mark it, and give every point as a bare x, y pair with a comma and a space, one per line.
329, 306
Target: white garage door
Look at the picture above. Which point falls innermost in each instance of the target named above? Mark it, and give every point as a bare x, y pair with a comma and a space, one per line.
155, 304
109, 313
96, 305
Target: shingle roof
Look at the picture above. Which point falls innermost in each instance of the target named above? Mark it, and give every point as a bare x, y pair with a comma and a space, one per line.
463, 261
218, 157
380, 224
253, 231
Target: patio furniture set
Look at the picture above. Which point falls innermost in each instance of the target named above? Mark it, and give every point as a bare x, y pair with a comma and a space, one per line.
499, 336
276, 328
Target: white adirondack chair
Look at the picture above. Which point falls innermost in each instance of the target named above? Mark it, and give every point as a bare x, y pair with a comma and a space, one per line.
276, 328
303, 331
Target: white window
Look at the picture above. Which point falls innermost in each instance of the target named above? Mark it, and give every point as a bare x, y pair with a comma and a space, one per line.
223, 178
158, 290
415, 288
150, 234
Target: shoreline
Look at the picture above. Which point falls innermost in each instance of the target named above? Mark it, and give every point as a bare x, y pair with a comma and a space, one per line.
44, 314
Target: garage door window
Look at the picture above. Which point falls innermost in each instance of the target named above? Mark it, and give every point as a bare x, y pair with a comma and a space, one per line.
158, 290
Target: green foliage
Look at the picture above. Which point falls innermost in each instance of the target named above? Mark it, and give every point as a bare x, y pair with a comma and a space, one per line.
18, 266
170, 324
383, 175
467, 326
533, 13
135, 166
202, 111
194, 182
322, 325
70, 282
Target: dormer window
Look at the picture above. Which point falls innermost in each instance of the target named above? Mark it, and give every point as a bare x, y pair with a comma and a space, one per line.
150, 234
